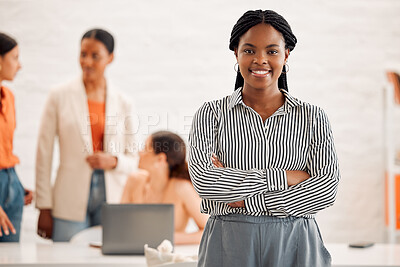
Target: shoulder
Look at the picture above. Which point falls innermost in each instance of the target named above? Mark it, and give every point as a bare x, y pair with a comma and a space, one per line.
314, 114
214, 107
123, 100
303, 107
67, 88
182, 187
7, 92
311, 108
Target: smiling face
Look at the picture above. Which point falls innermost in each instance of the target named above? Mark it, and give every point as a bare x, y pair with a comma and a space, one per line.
9, 64
94, 59
261, 55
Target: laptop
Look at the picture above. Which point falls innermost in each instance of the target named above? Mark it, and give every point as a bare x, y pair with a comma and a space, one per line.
128, 227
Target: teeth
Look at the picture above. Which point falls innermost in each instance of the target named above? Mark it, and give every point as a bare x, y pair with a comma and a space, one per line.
260, 72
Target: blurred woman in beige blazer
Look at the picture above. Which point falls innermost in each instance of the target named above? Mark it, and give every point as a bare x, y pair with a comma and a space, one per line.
93, 124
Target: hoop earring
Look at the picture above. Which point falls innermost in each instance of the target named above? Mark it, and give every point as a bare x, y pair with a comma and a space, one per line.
286, 68
236, 67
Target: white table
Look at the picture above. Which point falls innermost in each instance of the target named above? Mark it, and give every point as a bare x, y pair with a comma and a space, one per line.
66, 254
375, 256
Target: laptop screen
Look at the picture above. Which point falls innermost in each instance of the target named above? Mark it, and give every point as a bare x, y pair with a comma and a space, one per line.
128, 227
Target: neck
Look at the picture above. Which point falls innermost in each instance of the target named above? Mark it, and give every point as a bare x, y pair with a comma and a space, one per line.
269, 97
96, 89
158, 181
93, 85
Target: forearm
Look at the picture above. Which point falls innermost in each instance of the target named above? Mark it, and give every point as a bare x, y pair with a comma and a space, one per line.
306, 198
230, 185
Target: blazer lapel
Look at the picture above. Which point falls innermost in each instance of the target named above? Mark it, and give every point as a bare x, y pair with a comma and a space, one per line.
111, 119
81, 114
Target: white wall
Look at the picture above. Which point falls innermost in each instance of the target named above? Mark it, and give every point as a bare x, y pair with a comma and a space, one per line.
171, 56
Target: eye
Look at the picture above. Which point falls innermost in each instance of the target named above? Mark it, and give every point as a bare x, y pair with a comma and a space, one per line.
83, 54
273, 52
248, 51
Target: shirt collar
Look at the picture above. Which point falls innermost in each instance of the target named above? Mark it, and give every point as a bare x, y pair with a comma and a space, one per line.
236, 98
3, 100
290, 101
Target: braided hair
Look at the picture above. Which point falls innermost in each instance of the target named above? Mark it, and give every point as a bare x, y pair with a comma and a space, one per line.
254, 17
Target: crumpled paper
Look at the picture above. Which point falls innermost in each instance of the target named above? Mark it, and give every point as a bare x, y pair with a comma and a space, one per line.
163, 255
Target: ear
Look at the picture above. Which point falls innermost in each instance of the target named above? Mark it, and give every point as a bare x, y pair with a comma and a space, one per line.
236, 54
287, 53
162, 157
111, 58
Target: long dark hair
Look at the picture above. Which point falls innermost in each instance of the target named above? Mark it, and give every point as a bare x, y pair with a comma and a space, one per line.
7, 43
102, 36
175, 149
254, 17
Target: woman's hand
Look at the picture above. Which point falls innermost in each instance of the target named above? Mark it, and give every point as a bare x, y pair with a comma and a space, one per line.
103, 161
139, 177
237, 204
296, 177
28, 197
5, 224
216, 161
218, 164
45, 224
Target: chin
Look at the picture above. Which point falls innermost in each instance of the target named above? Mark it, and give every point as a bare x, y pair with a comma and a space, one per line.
89, 77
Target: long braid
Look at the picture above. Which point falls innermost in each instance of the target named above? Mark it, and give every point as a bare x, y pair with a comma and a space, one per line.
254, 17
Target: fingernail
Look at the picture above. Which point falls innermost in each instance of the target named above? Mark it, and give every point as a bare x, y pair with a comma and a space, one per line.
13, 231
6, 232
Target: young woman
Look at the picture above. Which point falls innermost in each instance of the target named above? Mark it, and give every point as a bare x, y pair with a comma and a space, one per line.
164, 178
275, 164
12, 195
93, 124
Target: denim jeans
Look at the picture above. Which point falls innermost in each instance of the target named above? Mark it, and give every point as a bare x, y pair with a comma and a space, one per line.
12, 201
63, 230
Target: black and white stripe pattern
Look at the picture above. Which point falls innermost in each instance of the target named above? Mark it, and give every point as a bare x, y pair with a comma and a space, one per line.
256, 155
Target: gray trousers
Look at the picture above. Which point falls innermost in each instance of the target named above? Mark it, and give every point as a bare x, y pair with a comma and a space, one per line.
246, 241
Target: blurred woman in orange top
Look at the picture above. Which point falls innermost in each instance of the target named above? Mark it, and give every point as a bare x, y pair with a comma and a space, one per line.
12, 194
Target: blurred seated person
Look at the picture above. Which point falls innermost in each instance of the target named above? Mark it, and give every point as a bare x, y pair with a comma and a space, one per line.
163, 177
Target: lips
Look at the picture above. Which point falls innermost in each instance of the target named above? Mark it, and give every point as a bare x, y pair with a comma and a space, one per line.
88, 70
260, 72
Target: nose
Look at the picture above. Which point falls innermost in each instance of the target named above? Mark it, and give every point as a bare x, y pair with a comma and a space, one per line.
86, 60
260, 59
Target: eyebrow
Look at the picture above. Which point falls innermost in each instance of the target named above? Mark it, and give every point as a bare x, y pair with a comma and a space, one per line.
268, 46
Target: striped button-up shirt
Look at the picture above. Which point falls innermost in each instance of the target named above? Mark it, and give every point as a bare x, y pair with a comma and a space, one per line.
256, 155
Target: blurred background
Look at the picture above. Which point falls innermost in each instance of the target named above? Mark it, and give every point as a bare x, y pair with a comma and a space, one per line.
172, 56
